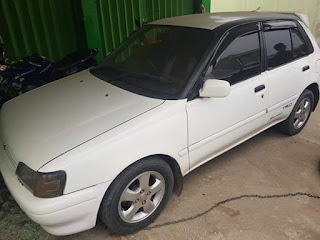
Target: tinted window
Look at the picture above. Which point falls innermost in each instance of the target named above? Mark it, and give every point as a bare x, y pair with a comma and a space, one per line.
279, 47
155, 61
239, 61
300, 48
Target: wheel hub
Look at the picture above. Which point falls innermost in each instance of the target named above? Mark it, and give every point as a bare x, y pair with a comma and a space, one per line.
141, 197
302, 113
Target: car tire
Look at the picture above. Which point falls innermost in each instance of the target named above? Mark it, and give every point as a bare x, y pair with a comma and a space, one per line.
132, 192
300, 114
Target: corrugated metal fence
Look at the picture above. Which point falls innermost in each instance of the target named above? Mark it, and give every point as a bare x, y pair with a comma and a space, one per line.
56, 27
118, 18
52, 28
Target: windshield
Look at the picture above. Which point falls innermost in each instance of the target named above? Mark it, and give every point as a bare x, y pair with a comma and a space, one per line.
156, 60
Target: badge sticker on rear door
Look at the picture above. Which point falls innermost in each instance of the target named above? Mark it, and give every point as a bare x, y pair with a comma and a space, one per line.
287, 106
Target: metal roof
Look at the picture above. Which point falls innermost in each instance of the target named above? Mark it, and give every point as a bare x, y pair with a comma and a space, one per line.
214, 20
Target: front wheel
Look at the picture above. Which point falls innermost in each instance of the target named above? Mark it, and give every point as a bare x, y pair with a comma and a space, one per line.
137, 196
299, 115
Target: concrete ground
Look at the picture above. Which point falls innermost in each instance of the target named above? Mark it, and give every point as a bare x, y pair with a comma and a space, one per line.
270, 163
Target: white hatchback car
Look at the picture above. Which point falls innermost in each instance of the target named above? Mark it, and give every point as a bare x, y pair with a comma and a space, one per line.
115, 141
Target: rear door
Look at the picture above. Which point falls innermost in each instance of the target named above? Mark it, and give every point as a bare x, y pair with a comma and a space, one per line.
288, 68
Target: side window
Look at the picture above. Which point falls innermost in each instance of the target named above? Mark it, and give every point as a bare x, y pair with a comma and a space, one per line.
278, 47
300, 48
239, 61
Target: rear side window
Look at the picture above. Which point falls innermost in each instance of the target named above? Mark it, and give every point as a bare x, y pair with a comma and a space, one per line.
300, 48
278, 47
239, 61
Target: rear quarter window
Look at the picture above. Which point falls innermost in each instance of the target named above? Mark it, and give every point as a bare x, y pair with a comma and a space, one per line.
300, 48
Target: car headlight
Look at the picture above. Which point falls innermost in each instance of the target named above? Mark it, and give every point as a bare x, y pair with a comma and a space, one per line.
43, 185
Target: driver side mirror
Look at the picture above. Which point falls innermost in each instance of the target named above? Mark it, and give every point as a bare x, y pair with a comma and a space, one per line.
213, 88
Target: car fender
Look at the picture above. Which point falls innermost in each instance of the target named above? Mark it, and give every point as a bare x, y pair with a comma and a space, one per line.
162, 130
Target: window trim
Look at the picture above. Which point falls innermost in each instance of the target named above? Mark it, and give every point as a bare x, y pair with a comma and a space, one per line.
234, 34
294, 59
266, 55
306, 38
274, 25
296, 25
263, 49
194, 90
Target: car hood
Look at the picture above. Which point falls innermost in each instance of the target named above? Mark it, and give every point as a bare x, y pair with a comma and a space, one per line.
44, 123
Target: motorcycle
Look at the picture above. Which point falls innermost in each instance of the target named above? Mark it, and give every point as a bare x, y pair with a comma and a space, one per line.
23, 75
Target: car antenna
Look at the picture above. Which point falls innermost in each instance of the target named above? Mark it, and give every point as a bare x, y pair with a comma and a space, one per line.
257, 10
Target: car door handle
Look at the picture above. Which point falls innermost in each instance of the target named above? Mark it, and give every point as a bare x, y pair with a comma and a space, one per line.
259, 88
305, 68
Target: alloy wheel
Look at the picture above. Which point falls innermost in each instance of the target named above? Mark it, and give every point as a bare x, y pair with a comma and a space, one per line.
141, 197
302, 113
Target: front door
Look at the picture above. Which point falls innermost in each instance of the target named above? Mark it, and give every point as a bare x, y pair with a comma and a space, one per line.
217, 124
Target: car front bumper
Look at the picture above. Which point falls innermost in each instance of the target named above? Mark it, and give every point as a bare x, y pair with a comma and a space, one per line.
68, 214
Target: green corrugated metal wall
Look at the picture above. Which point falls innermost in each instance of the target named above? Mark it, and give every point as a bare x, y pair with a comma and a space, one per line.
52, 28
116, 18
55, 27
207, 4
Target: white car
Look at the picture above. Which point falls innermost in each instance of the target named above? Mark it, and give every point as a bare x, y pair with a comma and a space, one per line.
115, 141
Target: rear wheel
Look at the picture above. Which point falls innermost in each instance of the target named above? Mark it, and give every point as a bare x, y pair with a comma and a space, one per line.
137, 196
299, 115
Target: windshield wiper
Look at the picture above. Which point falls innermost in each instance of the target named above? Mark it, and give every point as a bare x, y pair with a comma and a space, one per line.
118, 78
108, 74
160, 79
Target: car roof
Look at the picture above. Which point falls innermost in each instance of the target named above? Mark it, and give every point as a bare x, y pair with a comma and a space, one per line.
214, 20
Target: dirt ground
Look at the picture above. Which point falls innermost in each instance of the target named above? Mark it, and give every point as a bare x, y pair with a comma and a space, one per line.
270, 163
